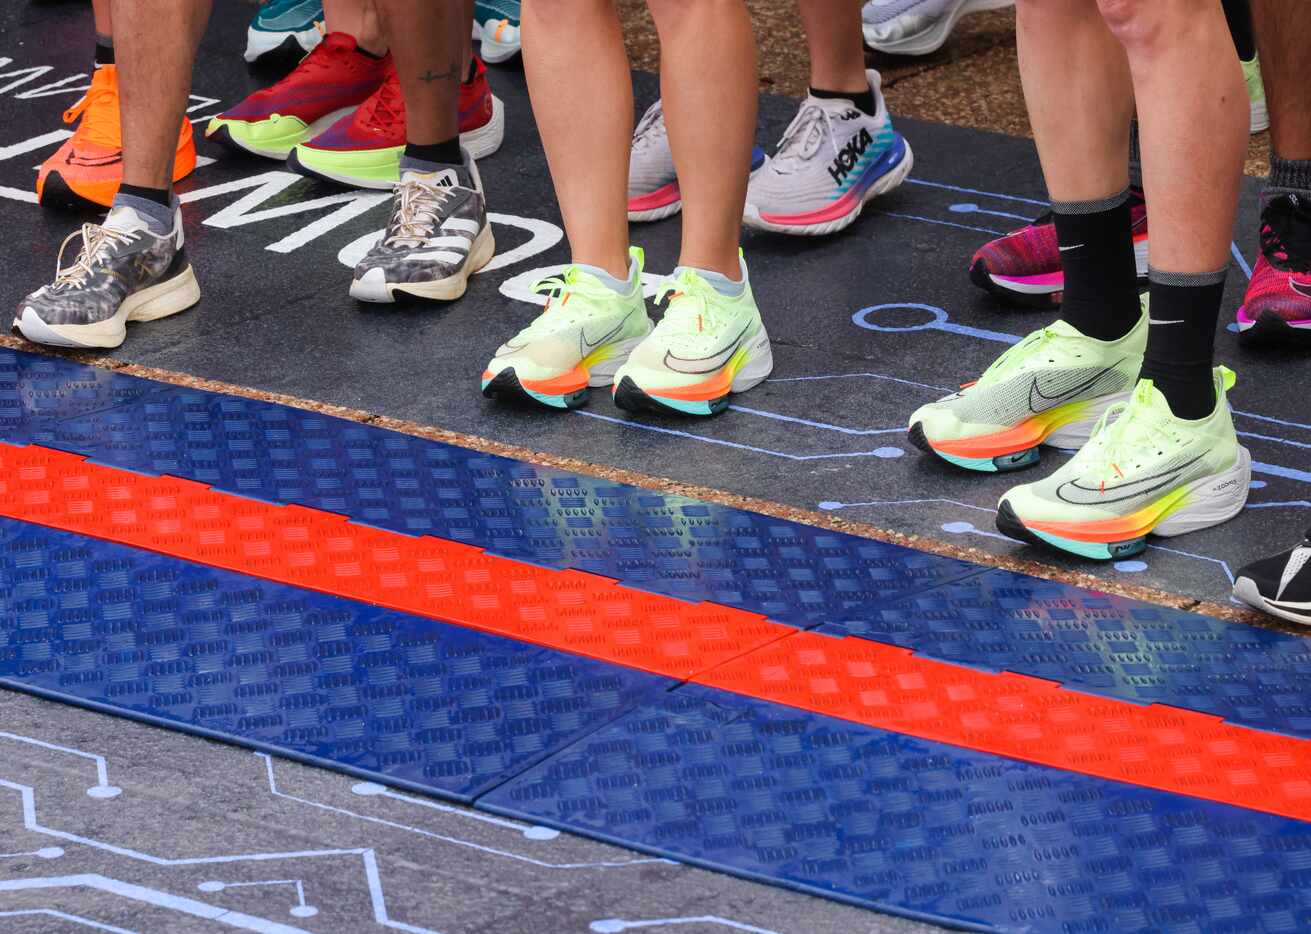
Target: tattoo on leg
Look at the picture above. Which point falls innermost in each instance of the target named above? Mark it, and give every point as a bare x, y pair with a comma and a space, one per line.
451, 74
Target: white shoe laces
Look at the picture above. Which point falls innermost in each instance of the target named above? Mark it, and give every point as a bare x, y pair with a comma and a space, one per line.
416, 217
95, 241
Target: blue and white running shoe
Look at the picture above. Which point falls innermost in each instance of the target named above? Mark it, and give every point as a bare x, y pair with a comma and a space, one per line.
917, 27
496, 23
290, 26
832, 159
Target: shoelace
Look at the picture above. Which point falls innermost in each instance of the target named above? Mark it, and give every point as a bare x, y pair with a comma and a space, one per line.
1015, 355
1286, 233
691, 303
419, 205
559, 289
1121, 434
651, 128
101, 104
95, 240
384, 109
804, 135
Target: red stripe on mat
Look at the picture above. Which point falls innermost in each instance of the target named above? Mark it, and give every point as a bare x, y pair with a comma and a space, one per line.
886, 687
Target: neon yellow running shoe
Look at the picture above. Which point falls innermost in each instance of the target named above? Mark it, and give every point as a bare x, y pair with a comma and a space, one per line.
706, 347
1144, 471
584, 334
1256, 94
1050, 388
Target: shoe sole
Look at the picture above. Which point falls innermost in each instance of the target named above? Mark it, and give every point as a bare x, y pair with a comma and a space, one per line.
159, 301
1212, 500
936, 35
480, 143
506, 386
445, 290
1016, 291
1272, 330
757, 366
262, 46
1260, 117
1245, 589
220, 131
1066, 426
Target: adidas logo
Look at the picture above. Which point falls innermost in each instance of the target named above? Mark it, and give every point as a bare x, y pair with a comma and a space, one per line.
849, 155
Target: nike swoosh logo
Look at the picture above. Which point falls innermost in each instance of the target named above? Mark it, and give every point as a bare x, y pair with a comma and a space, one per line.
586, 345
1159, 321
1036, 393
1077, 246
1300, 289
702, 365
1076, 494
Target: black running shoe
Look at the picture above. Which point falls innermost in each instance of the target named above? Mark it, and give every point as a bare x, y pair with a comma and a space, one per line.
1280, 585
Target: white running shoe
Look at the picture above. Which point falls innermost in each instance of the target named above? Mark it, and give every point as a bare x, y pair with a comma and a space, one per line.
832, 159
917, 27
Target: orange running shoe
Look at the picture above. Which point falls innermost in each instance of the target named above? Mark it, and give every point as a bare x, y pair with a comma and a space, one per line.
89, 166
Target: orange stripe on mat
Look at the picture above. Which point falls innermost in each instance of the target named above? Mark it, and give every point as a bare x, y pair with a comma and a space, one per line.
881, 686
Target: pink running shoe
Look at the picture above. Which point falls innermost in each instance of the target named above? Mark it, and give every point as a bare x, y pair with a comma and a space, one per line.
1277, 307
1024, 267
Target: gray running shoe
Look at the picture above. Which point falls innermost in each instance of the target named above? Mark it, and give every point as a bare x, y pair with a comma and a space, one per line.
437, 237
652, 182
917, 27
124, 272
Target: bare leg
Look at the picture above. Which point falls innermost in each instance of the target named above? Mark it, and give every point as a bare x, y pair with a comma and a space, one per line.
428, 41
573, 51
155, 44
1080, 114
833, 36
1193, 122
357, 18
708, 86
1282, 27
104, 20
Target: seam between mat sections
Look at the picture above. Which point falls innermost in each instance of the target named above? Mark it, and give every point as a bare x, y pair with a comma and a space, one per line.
1015, 716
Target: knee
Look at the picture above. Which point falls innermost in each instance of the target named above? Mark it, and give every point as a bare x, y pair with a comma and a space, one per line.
1140, 25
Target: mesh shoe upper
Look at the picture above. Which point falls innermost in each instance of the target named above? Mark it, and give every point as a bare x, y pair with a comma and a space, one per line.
116, 259
650, 161
1281, 280
331, 77
288, 15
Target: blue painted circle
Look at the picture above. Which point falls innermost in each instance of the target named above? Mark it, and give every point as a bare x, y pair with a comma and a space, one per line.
965, 207
1131, 567
887, 453
861, 318
958, 528
1257, 484
829, 505
1233, 327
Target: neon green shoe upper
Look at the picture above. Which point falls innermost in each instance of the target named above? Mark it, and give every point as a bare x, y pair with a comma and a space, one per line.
1256, 94
585, 332
1143, 470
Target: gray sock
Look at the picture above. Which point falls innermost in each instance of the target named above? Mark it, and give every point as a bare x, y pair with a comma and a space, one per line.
1289, 176
1135, 157
411, 164
622, 286
158, 217
720, 282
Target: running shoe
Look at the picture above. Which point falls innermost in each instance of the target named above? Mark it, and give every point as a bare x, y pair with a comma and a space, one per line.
706, 347
1142, 472
88, 167
652, 183
124, 272
437, 237
583, 335
1256, 94
833, 159
496, 24
364, 149
326, 86
1024, 267
917, 27
1277, 307
1281, 584
1051, 388
284, 27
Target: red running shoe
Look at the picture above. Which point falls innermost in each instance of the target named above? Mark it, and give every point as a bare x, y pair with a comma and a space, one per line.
327, 85
1024, 267
1277, 307
364, 150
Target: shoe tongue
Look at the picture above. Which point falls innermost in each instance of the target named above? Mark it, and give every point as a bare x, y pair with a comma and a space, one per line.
441, 178
125, 220
1064, 329
1146, 394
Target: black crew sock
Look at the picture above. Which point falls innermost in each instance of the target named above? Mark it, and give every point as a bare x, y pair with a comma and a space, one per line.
447, 152
864, 100
1135, 157
1185, 308
162, 196
376, 56
473, 69
1238, 13
1101, 275
104, 50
